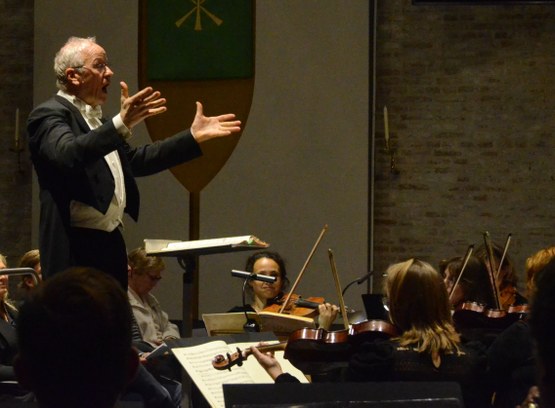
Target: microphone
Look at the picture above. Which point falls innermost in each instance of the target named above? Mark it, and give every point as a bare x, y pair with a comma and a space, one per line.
253, 276
358, 281
250, 324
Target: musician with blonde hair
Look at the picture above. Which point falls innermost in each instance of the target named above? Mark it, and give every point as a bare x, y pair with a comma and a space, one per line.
428, 347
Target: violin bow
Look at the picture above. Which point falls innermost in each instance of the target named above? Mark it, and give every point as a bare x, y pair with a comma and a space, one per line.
338, 288
489, 250
288, 298
465, 262
505, 249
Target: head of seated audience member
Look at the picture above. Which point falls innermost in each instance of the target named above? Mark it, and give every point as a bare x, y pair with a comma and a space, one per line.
3, 279
74, 338
31, 259
473, 286
534, 264
543, 331
144, 271
7, 310
268, 263
419, 307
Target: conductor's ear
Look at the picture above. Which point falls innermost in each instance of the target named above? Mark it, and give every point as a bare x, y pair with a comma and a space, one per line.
73, 76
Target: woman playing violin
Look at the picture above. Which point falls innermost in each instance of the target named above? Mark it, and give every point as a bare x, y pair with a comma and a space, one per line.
506, 276
428, 348
472, 298
264, 294
474, 285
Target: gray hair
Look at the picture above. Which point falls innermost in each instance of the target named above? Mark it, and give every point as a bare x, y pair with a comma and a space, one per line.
70, 55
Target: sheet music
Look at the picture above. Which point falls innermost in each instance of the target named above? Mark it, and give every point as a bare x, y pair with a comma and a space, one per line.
203, 246
197, 362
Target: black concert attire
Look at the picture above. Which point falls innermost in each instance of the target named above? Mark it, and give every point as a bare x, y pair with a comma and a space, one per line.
246, 308
385, 360
8, 344
75, 170
512, 365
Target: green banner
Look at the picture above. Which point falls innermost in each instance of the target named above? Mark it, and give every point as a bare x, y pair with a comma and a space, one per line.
200, 39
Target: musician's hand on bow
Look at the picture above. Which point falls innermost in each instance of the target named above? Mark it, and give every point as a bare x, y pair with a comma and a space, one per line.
327, 315
145, 103
208, 127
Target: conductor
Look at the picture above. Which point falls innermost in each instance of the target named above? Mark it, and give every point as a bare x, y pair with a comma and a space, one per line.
85, 166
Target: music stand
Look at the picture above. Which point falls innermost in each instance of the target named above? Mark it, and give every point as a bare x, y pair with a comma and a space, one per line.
374, 306
349, 395
187, 253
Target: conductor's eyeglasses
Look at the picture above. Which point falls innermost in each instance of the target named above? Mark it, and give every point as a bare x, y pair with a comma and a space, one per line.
99, 66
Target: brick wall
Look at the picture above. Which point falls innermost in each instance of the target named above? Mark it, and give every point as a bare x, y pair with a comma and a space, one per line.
16, 82
470, 92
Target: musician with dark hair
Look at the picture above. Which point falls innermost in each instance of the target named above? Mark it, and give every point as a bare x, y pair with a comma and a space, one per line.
428, 347
264, 294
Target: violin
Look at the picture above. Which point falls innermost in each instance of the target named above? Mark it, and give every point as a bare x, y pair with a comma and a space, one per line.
476, 315
339, 340
371, 330
296, 305
471, 314
221, 362
316, 350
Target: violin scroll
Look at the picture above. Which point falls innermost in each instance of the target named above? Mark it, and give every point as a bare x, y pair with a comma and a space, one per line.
220, 362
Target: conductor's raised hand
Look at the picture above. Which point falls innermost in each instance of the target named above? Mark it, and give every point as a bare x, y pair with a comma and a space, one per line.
208, 127
134, 109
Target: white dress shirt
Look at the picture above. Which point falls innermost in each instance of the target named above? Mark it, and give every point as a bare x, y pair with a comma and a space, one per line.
81, 214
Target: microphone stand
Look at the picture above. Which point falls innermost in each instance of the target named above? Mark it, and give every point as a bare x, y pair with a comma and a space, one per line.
250, 325
358, 281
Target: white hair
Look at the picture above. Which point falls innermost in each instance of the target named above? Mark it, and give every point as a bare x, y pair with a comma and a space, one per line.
70, 55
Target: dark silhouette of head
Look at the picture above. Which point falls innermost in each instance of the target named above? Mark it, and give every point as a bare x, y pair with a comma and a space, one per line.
543, 330
74, 338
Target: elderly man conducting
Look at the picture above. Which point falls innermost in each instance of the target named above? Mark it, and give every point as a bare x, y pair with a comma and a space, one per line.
85, 166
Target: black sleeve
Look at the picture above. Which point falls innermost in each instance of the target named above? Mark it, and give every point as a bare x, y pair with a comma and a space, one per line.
372, 361
287, 378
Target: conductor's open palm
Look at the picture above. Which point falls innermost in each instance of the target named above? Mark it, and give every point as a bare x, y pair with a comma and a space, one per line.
208, 127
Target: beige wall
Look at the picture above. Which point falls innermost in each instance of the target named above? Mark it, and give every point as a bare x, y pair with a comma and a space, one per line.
302, 161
